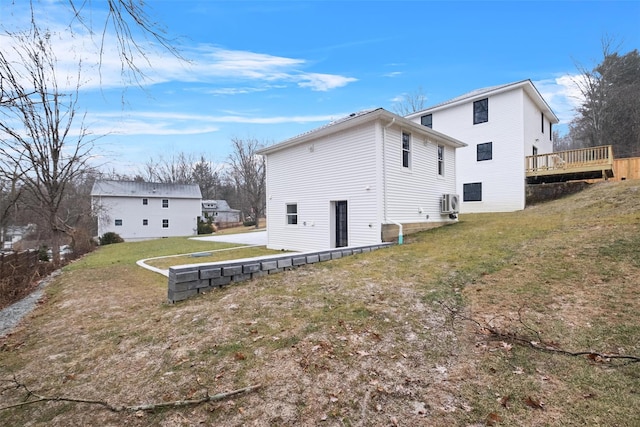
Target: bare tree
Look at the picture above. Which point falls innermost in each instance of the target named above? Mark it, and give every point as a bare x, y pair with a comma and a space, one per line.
207, 175
40, 138
248, 171
610, 112
410, 103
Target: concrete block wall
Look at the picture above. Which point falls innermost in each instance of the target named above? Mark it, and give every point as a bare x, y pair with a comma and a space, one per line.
189, 280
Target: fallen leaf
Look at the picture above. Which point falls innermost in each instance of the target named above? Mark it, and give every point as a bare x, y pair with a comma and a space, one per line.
239, 356
506, 346
492, 419
504, 401
533, 403
518, 370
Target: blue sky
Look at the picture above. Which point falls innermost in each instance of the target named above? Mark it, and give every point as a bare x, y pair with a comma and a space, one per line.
273, 69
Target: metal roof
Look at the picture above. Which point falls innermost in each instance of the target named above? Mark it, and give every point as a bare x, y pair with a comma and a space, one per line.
145, 189
218, 205
355, 119
527, 85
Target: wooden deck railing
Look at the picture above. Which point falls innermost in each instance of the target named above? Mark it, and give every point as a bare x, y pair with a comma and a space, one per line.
571, 161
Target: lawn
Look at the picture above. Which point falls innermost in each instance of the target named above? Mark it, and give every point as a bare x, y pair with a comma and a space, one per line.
399, 336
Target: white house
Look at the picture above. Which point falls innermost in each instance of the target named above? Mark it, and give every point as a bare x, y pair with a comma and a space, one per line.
353, 181
12, 234
220, 212
146, 210
501, 125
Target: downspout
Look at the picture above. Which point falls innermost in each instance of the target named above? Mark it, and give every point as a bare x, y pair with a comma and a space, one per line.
384, 182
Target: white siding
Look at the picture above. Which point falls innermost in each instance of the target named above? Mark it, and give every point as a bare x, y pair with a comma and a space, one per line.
413, 194
181, 213
533, 135
312, 175
502, 177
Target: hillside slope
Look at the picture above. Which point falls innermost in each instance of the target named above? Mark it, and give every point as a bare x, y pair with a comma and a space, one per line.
393, 337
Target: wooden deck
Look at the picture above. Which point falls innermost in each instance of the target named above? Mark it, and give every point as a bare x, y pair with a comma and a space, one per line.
585, 163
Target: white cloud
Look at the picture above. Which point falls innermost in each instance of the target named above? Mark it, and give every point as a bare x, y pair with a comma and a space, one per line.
562, 95
323, 82
154, 123
206, 63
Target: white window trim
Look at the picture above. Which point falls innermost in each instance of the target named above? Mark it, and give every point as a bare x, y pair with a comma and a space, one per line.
287, 214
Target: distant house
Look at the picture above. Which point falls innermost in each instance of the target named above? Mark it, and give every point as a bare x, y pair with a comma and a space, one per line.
13, 234
356, 180
219, 212
501, 125
146, 210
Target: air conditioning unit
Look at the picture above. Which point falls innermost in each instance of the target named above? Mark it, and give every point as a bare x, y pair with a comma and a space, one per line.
450, 204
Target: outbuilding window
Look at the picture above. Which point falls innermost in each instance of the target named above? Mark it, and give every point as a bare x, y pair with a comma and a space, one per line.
441, 160
165, 223
292, 213
145, 201
118, 222
406, 150
165, 203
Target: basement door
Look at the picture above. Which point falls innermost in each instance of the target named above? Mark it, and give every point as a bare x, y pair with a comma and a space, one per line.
342, 235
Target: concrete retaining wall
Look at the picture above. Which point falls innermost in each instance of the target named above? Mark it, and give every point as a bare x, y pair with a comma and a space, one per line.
189, 280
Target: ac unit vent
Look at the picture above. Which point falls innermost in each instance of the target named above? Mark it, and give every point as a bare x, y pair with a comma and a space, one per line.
450, 204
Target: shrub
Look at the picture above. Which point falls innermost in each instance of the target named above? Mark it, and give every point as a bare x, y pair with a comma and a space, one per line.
205, 227
43, 254
109, 238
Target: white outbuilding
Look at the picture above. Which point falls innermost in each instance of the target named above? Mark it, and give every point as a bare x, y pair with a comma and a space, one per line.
370, 177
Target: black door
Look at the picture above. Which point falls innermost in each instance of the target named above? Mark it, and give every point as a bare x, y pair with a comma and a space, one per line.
341, 224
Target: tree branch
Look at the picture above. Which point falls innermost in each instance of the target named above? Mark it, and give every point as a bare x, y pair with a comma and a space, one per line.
123, 408
538, 344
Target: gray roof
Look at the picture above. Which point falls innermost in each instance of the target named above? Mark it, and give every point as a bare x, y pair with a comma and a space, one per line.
218, 205
527, 85
145, 189
355, 119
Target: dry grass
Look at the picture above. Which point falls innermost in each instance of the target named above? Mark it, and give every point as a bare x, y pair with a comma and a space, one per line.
362, 340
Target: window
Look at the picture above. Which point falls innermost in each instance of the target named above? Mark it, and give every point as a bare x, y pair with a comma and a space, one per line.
145, 201
406, 149
118, 222
165, 203
292, 213
481, 111
427, 120
472, 192
550, 130
145, 222
165, 223
542, 122
441, 160
485, 151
